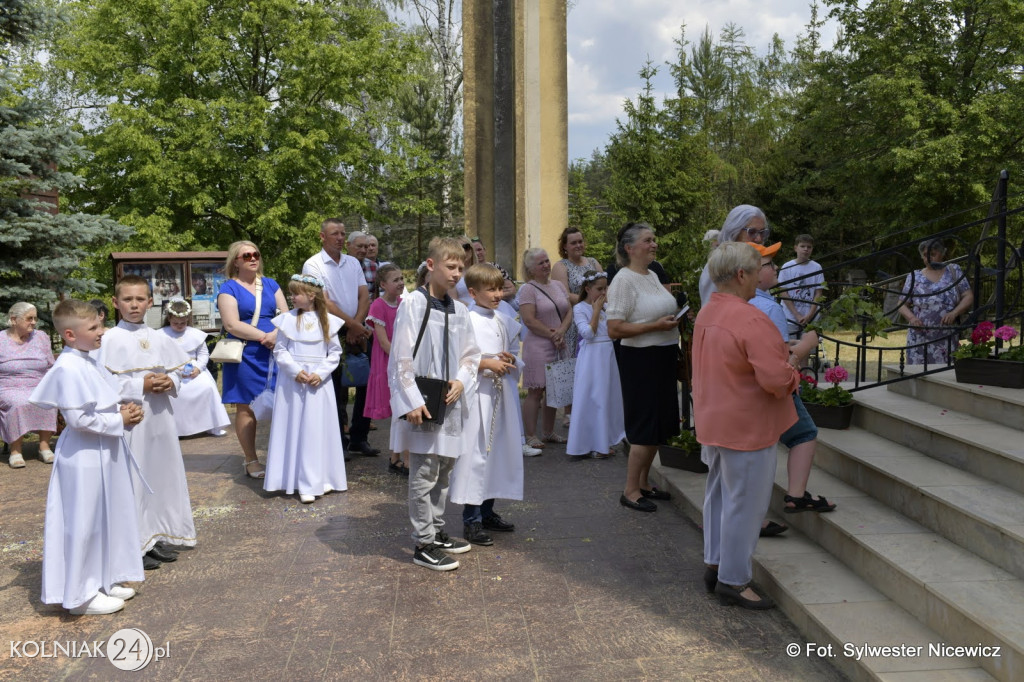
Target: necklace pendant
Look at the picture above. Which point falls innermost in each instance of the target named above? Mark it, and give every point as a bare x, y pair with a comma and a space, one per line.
144, 344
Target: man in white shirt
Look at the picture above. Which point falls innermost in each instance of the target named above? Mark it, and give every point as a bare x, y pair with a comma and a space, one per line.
347, 298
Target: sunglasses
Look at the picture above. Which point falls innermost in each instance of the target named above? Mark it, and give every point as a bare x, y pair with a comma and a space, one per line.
249, 256
475, 240
753, 232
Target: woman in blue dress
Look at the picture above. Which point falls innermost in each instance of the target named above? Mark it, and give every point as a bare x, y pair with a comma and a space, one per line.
237, 303
939, 294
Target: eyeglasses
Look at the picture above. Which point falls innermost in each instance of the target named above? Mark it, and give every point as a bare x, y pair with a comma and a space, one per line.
249, 256
753, 232
773, 266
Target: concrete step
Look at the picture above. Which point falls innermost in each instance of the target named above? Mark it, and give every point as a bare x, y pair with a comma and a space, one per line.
1000, 405
981, 516
966, 442
953, 591
832, 605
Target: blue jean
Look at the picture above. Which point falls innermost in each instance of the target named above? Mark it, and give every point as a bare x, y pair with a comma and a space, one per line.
476, 513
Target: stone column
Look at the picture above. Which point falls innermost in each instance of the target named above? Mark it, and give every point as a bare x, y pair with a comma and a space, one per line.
516, 124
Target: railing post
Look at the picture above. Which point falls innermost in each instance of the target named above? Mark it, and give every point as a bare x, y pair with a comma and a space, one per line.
1001, 251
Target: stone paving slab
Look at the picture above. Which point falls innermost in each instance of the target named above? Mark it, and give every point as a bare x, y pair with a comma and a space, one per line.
584, 589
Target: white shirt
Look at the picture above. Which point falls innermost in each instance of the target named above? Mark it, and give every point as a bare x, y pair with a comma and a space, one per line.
799, 282
342, 279
637, 298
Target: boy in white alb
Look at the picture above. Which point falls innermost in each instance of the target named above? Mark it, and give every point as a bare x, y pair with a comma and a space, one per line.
90, 541
492, 464
146, 363
432, 447
801, 281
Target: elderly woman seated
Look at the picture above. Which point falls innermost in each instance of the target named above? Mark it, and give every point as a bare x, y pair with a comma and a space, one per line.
741, 368
25, 356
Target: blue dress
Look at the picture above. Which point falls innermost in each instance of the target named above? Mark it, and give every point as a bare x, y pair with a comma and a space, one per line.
247, 379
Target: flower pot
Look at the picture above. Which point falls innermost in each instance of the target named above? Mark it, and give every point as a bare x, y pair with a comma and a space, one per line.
990, 372
830, 416
679, 458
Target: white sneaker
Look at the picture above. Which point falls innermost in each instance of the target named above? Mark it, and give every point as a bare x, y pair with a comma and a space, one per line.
530, 452
46, 456
99, 605
218, 433
121, 592
16, 461
328, 489
307, 499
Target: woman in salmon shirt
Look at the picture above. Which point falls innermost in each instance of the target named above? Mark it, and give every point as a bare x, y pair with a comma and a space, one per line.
742, 384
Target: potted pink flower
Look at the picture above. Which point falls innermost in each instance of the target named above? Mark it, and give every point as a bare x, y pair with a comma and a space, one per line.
977, 362
830, 408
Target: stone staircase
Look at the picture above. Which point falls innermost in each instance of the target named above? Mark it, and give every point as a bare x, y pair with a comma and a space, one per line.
926, 547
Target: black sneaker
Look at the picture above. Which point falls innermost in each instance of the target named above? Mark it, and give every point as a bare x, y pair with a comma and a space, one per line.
450, 545
431, 556
475, 534
495, 522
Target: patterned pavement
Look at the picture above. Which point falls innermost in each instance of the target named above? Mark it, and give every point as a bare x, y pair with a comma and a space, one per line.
584, 589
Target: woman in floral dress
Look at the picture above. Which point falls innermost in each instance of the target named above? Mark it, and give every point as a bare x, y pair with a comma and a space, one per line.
939, 293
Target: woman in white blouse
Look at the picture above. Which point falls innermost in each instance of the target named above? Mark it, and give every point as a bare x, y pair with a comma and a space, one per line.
642, 314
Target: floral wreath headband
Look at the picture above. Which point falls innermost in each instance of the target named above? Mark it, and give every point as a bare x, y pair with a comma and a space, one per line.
596, 276
308, 279
174, 313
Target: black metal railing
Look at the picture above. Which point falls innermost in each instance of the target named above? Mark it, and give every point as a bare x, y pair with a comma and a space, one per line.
988, 262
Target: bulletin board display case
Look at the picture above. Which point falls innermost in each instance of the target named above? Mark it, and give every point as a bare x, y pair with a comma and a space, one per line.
195, 276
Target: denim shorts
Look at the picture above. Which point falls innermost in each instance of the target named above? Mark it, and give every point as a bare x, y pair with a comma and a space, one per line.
804, 430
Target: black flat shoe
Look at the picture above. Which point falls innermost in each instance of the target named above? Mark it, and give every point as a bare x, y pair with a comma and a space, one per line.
710, 578
643, 504
162, 556
364, 449
655, 494
728, 595
495, 522
807, 503
149, 563
773, 529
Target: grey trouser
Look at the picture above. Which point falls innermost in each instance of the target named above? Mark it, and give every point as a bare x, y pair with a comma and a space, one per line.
428, 493
736, 497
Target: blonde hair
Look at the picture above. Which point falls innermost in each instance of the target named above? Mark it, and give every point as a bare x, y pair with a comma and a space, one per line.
69, 311
731, 257
319, 305
445, 248
483, 275
230, 269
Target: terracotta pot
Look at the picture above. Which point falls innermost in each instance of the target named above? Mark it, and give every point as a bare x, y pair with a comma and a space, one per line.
989, 372
830, 416
679, 458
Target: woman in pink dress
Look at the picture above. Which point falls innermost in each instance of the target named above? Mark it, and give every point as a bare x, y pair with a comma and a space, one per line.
381, 319
25, 356
546, 312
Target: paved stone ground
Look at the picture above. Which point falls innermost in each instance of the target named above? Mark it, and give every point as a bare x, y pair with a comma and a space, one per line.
584, 589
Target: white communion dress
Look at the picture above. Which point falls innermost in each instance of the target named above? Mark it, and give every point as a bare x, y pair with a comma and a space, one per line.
197, 408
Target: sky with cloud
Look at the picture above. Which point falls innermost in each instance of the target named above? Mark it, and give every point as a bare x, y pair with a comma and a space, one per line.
609, 41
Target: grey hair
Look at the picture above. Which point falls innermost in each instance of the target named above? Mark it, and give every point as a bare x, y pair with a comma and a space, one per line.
19, 309
530, 257
352, 236
737, 219
929, 244
730, 257
627, 237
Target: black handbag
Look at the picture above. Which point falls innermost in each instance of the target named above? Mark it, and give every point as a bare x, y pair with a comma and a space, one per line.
434, 391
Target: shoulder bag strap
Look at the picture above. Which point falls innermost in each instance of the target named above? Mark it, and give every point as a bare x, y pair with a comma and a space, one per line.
423, 327
557, 309
259, 302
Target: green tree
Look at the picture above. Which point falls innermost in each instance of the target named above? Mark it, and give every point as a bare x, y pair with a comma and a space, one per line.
217, 121
910, 116
41, 250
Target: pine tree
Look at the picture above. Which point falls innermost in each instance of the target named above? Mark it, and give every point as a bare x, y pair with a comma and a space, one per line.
41, 251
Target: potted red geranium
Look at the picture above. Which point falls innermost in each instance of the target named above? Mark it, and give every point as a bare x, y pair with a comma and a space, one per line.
830, 408
977, 362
